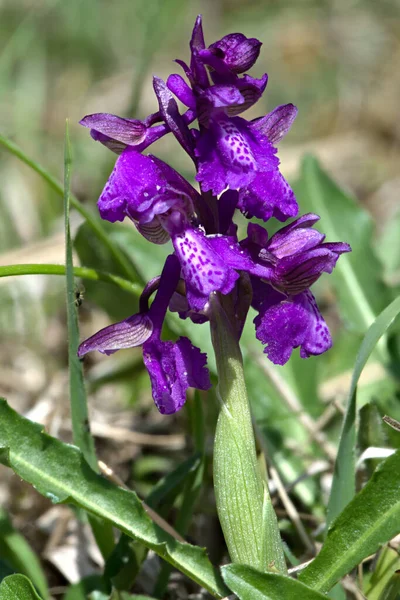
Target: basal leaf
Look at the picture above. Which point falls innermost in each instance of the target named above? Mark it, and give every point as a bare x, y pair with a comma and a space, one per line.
17, 587
250, 584
59, 471
370, 520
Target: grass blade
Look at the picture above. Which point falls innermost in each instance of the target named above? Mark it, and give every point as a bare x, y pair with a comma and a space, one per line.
16, 550
79, 411
343, 485
82, 272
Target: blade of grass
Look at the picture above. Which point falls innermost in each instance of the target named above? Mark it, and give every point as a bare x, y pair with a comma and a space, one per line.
343, 484
79, 411
16, 550
92, 220
82, 272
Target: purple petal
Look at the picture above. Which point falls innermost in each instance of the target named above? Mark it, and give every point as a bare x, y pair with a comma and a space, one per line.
198, 70
238, 52
143, 187
268, 195
297, 240
231, 252
127, 131
173, 368
203, 269
289, 324
182, 91
172, 117
303, 222
129, 333
251, 89
277, 123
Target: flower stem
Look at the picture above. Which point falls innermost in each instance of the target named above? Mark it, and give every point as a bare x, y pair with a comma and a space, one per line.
238, 483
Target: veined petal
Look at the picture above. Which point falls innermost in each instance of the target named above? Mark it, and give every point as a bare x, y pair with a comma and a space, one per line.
173, 368
277, 123
251, 89
127, 131
172, 117
129, 333
294, 274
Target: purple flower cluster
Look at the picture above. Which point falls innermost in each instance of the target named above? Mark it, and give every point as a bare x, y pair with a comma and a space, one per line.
237, 169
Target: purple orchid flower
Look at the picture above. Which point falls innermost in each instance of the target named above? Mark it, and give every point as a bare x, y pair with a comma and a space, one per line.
173, 366
236, 160
288, 264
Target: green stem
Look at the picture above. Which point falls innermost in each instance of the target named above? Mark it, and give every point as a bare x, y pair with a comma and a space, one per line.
92, 220
82, 272
238, 483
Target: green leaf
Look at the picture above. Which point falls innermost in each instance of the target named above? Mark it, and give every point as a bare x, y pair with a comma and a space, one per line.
17, 587
370, 520
343, 484
357, 276
273, 554
238, 483
79, 411
388, 562
59, 472
18, 553
249, 584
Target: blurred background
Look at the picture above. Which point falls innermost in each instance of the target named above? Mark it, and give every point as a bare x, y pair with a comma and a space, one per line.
338, 61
